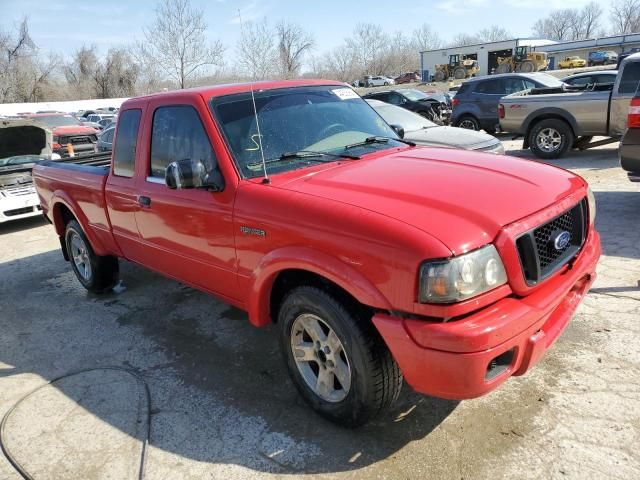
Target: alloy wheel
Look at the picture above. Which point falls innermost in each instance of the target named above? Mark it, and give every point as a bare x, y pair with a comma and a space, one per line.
321, 358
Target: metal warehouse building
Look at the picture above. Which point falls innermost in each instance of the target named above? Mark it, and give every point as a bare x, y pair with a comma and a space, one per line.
487, 54
582, 48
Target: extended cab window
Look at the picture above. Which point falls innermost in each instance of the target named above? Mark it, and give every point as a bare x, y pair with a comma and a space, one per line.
124, 153
630, 78
178, 134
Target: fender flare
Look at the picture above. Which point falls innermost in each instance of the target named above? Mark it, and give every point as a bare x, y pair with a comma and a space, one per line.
60, 197
549, 112
313, 261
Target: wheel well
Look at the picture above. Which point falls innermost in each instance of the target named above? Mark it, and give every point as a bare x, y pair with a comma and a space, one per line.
287, 280
546, 116
61, 216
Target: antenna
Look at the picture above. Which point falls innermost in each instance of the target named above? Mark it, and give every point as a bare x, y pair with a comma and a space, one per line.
266, 179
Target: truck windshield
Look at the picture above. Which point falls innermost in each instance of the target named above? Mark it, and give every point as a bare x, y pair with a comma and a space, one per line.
322, 119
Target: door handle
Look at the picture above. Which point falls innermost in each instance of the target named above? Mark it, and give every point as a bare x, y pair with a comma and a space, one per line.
144, 201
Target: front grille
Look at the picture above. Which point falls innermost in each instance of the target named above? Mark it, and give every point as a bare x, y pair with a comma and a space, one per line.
541, 254
77, 140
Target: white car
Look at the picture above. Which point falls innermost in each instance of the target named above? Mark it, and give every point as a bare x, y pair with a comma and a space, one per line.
418, 129
23, 142
378, 81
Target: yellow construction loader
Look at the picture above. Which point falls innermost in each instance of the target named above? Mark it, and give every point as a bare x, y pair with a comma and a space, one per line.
523, 61
456, 68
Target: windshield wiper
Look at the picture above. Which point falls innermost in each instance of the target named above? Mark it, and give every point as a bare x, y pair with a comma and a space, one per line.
378, 139
304, 154
310, 153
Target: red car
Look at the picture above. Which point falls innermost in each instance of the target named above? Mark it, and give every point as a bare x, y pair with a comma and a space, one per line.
410, 77
67, 131
377, 259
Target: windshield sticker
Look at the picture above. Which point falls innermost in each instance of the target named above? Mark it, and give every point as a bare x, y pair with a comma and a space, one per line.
345, 93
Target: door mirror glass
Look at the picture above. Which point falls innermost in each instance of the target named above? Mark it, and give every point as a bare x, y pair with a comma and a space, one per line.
187, 174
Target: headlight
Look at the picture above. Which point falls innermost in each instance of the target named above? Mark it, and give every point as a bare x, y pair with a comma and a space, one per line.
591, 199
496, 148
459, 278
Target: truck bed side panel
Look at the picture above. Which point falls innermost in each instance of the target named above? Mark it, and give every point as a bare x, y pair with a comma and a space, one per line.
81, 189
589, 109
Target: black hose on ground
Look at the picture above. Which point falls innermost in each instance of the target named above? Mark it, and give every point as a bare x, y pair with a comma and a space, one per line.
20, 469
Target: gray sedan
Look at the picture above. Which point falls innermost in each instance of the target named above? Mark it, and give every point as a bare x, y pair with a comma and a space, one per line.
424, 132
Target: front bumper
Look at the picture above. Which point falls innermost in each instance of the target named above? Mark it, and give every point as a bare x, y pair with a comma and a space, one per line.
469, 357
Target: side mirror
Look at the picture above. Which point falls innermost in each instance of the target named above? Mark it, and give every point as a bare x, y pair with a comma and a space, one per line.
398, 129
187, 174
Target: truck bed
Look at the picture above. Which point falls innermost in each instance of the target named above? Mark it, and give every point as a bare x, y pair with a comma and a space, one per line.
81, 181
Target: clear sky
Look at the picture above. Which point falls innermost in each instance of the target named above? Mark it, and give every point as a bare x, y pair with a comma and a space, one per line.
64, 25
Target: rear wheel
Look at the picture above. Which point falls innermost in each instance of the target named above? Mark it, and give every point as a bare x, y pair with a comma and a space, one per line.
550, 138
336, 358
468, 122
503, 68
440, 76
96, 273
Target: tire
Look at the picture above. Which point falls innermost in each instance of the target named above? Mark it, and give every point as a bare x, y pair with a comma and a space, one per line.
551, 138
527, 67
459, 73
386, 84
503, 68
371, 380
96, 273
440, 76
468, 122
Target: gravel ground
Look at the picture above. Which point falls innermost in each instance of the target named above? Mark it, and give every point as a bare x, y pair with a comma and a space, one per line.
223, 407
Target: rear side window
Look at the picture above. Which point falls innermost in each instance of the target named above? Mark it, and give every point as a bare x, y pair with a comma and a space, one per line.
630, 78
124, 154
493, 87
178, 134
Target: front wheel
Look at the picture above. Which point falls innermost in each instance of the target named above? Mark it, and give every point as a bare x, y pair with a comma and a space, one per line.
96, 273
336, 358
550, 138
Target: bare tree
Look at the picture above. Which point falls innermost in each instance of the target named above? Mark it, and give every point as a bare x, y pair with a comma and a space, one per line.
625, 16
340, 64
559, 25
80, 71
424, 38
176, 41
117, 75
494, 33
256, 51
462, 39
590, 15
16, 52
293, 44
369, 45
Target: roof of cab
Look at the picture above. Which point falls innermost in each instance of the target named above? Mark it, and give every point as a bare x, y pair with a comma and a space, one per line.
230, 88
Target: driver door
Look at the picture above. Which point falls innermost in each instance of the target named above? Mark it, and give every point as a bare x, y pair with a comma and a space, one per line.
187, 233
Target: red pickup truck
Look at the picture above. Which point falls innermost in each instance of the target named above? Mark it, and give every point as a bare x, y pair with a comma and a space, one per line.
378, 260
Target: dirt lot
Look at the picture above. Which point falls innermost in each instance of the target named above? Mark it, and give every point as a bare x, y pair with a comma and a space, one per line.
223, 407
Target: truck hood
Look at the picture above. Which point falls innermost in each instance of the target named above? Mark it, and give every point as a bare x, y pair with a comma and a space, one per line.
20, 137
452, 137
74, 130
460, 197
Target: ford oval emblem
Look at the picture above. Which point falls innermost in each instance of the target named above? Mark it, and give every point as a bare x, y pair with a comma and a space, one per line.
561, 240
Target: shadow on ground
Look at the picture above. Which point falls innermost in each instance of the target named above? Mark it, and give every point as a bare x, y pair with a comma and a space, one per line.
220, 392
22, 224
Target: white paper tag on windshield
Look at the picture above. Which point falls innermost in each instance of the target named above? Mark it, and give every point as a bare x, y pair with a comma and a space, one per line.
345, 93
